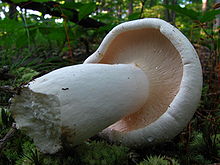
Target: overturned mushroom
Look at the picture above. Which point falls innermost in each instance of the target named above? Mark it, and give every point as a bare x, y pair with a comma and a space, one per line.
73, 103
141, 86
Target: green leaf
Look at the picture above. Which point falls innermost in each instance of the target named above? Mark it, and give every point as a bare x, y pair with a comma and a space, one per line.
105, 28
72, 5
53, 33
85, 10
26, 73
194, 15
134, 16
40, 39
106, 18
19, 1
10, 25
67, 13
41, 0
4, 117
209, 15
21, 39
58, 35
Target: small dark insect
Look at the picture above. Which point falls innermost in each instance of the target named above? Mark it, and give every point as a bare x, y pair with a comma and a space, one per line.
65, 89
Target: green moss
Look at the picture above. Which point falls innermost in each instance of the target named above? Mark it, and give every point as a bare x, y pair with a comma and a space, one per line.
158, 160
101, 153
24, 74
93, 153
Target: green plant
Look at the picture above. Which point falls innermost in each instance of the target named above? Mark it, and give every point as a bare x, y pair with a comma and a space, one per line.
6, 119
90, 153
159, 160
13, 149
29, 155
101, 153
24, 74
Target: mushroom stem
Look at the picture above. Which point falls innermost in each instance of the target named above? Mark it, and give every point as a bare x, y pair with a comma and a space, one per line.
76, 102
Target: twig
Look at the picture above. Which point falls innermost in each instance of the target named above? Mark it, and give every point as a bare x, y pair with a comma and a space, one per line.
212, 120
8, 136
211, 94
8, 89
142, 7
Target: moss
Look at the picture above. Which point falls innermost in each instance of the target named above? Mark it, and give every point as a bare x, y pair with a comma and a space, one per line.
101, 153
159, 160
93, 153
24, 74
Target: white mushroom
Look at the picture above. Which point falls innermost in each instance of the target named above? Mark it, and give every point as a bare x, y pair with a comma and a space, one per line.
175, 79
142, 84
73, 103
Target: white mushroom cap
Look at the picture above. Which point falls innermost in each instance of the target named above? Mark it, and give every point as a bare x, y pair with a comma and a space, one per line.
175, 79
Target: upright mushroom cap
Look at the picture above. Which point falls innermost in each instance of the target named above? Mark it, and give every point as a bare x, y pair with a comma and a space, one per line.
175, 79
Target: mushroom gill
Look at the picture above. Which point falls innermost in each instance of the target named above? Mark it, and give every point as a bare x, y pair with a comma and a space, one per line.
149, 49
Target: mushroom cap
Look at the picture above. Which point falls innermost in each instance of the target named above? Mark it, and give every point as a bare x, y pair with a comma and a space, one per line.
175, 79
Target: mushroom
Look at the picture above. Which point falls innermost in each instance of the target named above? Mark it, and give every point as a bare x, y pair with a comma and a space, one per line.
175, 79
73, 103
140, 87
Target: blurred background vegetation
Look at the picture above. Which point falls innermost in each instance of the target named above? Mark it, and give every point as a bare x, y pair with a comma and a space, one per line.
37, 36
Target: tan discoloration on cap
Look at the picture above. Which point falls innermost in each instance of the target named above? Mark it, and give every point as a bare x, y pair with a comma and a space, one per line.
68, 134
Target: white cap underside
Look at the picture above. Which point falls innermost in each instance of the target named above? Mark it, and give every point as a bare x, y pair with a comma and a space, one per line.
174, 70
